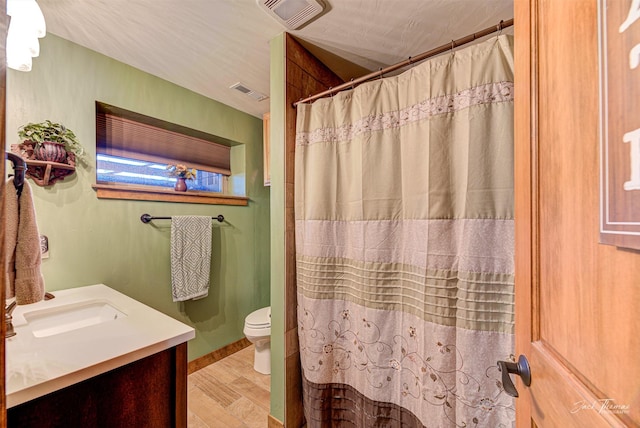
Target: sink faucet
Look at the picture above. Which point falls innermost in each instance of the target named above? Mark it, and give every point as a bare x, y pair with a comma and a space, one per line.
9, 331
8, 311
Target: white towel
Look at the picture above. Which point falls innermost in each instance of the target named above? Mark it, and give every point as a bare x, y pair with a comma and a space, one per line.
190, 257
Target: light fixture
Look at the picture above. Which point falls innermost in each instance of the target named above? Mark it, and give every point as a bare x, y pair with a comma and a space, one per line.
26, 27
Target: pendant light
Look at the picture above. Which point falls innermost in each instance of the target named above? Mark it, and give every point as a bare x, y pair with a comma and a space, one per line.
26, 27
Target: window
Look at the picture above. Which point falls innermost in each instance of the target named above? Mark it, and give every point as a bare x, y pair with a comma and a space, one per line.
133, 151
116, 169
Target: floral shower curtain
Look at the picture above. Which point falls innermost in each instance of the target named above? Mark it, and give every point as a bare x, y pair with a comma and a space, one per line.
405, 246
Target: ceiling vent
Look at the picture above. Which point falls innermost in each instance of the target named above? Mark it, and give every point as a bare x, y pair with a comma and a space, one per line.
249, 92
293, 14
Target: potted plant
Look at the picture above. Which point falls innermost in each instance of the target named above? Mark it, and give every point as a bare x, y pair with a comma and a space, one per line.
50, 141
182, 173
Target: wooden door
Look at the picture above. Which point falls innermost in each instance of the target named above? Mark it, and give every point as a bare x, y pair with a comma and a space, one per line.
577, 301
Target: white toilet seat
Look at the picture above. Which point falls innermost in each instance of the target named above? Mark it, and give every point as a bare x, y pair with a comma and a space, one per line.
258, 323
260, 318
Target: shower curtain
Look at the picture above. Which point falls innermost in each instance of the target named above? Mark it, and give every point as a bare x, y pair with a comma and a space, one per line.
405, 246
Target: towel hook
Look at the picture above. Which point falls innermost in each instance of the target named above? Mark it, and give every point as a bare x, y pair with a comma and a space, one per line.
19, 169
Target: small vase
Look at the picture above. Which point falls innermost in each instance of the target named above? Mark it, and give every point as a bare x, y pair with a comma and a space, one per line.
181, 185
51, 151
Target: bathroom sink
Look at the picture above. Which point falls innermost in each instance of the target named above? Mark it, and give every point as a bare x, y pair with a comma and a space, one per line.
82, 333
62, 319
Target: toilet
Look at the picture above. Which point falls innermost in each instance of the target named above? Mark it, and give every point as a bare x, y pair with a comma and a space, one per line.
257, 329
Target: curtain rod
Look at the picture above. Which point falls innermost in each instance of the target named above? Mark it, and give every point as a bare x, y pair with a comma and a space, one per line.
449, 46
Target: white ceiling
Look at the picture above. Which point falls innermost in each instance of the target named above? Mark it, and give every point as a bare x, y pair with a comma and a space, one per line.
208, 45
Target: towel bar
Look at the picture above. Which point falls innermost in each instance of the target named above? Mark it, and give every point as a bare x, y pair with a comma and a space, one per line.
146, 218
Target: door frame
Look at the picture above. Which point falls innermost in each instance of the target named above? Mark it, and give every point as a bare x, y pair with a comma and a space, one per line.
4, 26
525, 185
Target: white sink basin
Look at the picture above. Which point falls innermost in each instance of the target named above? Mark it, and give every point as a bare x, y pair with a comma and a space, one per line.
62, 319
81, 333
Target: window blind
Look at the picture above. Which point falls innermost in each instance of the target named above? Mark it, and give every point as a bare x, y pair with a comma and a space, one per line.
121, 136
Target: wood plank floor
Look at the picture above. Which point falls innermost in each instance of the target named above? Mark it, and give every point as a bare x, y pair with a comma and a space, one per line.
229, 393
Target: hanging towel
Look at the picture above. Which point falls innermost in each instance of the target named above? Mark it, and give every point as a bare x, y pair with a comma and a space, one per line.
22, 244
190, 257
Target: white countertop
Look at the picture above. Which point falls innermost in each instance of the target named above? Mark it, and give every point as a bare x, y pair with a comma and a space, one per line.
36, 366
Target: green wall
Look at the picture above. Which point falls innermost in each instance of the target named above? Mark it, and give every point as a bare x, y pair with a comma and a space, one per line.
103, 241
277, 94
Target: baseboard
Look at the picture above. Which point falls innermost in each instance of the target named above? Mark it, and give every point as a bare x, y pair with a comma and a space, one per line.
274, 423
217, 355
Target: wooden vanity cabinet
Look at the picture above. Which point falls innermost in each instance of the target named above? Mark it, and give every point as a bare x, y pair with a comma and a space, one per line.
150, 392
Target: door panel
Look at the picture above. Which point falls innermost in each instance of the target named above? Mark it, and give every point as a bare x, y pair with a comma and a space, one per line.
577, 300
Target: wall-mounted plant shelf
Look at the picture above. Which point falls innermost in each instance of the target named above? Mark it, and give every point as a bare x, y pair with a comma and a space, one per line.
45, 173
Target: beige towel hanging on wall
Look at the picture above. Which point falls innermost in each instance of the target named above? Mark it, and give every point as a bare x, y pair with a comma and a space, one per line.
22, 245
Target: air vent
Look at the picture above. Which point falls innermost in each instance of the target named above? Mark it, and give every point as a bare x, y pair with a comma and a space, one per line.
249, 92
292, 14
